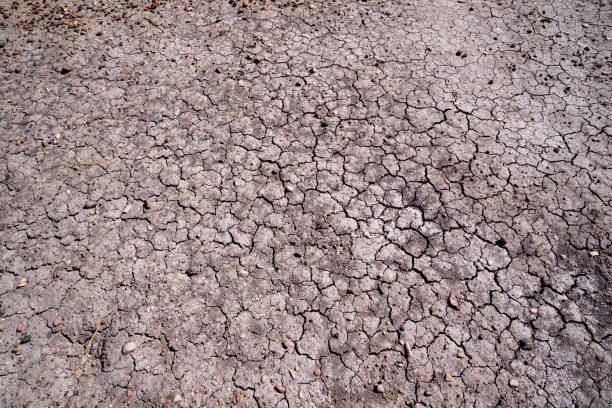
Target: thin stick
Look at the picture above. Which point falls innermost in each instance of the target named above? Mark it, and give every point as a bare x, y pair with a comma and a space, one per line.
97, 163
94, 333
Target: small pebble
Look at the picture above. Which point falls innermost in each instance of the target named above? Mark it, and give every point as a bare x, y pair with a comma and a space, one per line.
19, 328
513, 383
129, 347
533, 310
148, 205
22, 283
452, 301
280, 388
25, 339
300, 394
379, 388
243, 273
460, 353
526, 343
58, 321
90, 204
448, 377
289, 188
317, 372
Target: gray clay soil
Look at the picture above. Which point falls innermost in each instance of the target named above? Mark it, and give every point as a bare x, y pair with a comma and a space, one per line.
305, 204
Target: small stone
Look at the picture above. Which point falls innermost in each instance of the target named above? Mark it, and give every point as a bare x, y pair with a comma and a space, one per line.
289, 188
279, 388
89, 205
129, 347
379, 388
460, 353
19, 328
148, 205
513, 383
594, 253
265, 379
58, 321
243, 273
22, 283
452, 301
178, 398
313, 70
526, 343
25, 339
300, 394
149, 228
585, 25
317, 372
428, 393
324, 123
448, 377
533, 310
350, 317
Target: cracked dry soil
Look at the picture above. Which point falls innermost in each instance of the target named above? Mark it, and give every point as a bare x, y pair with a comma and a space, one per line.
305, 204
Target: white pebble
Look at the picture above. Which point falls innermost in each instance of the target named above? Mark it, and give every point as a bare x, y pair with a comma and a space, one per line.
129, 347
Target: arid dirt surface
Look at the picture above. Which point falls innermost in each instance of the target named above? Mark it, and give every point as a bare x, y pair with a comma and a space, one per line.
374, 203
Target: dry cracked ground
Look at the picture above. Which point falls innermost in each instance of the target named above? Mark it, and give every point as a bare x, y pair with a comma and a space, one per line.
305, 204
